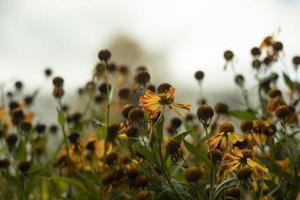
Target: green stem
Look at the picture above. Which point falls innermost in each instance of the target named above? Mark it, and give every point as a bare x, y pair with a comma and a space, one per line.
212, 172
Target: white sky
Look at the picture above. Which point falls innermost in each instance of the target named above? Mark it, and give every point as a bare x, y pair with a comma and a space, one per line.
193, 34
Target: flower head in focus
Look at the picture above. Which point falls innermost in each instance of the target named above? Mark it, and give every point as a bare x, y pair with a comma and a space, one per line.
155, 102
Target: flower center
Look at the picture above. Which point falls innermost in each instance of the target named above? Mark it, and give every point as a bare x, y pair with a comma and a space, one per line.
165, 101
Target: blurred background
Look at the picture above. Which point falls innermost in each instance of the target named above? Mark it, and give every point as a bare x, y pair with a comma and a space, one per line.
173, 38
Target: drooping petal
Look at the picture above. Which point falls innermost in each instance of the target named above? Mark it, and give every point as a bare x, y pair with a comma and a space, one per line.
237, 152
235, 138
256, 166
182, 106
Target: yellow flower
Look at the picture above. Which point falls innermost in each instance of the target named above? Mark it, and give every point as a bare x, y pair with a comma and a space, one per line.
223, 139
239, 159
154, 103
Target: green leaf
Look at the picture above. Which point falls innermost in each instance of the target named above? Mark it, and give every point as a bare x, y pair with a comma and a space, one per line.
288, 81
68, 181
21, 152
145, 152
242, 114
200, 151
61, 118
182, 135
224, 185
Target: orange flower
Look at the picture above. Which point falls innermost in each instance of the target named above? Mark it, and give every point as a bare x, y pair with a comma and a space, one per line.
239, 159
154, 103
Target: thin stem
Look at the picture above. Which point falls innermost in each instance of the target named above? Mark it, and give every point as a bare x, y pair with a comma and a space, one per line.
212, 173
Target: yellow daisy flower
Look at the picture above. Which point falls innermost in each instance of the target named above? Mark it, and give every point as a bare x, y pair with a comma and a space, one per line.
239, 159
154, 103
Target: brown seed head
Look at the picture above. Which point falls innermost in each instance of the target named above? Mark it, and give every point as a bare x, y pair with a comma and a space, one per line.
136, 114
205, 113
104, 55
192, 174
126, 109
163, 87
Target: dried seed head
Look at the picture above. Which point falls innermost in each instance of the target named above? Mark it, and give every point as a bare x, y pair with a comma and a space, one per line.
124, 93
111, 158
274, 93
216, 156
132, 132
104, 88
246, 126
17, 117
255, 51
242, 144
40, 128
132, 173
18, 85
189, 117
104, 55
4, 163
226, 127
142, 77
176, 122
111, 67
53, 129
90, 87
58, 81
126, 109
163, 87
192, 174
233, 192
11, 140
136, 114
151, 87
26, 126
58, 92
296, 60
205, 113
244, 173
141, 181
123, 69
107, 179
125, 160
282, 112
13, 105
256, 64
221, 108
228, 55
112, 132
278, 46
259, 126
9, 94
171, 130
247, 153
173, 147
271, 130
48, 72
91, 146
28, 100
239, 80
74, 138
24, 166
99, 70
199, 75
267, 61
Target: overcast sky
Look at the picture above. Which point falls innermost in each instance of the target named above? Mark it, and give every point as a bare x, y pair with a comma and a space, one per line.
67, 34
